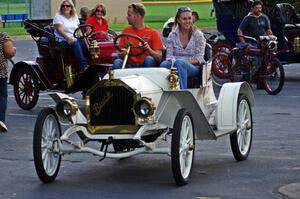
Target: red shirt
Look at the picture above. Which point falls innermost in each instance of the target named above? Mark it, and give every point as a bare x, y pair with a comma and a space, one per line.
149, 35
92, 20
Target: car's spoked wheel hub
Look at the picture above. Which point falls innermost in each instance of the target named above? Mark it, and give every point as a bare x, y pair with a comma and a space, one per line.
26, 88
244, 127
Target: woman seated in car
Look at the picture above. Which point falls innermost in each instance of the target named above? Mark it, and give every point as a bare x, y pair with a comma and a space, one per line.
99, 23
65, 22
185, 47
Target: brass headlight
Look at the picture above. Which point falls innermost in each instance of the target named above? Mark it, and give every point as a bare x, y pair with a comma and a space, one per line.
65, 109
144, 107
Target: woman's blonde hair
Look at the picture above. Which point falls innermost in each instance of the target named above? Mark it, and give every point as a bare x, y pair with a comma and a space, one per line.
99, 5
73, 11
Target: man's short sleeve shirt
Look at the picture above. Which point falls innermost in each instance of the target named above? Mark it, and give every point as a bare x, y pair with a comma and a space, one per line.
255, 26
149, 35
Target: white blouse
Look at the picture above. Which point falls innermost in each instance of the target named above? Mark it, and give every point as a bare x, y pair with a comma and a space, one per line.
69, 26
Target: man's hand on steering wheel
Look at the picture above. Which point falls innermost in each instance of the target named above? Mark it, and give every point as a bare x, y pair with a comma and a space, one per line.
129, 41
146, 47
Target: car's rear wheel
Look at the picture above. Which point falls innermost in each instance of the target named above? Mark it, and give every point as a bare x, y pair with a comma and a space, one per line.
241, 140
46, 156
182, 147
26, 89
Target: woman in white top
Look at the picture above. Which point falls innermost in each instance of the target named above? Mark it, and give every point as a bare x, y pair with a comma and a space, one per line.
185, 47
65, 22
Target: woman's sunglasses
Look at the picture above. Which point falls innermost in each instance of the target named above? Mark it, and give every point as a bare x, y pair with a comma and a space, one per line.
101, 11
66, 6
184, 9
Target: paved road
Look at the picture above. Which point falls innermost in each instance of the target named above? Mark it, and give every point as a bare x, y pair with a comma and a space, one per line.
273, 162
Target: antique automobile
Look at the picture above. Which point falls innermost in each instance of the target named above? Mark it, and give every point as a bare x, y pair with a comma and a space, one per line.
285, 24
133, 111
55, 68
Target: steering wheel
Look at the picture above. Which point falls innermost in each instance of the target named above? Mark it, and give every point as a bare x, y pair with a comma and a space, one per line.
130, 41
83, 31
110, 34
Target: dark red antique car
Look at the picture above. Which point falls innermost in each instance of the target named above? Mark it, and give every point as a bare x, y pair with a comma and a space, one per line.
55, 68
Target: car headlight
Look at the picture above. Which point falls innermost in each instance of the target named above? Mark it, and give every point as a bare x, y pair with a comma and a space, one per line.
65, 109
144, 108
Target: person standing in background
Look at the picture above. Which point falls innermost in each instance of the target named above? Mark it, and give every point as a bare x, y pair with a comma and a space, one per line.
7, 51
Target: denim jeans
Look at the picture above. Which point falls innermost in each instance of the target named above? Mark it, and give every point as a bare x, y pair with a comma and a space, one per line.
149, 61
184, 69
3, 98
77, 47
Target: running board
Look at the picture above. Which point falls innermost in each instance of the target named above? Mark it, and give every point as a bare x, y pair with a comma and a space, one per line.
220, 133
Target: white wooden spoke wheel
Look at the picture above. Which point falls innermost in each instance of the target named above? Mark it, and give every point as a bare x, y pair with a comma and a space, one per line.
182, 147
241, 139
45, 149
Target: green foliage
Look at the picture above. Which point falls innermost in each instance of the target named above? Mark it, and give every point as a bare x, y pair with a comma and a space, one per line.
6, 8
12, 1
165, 11
155, 17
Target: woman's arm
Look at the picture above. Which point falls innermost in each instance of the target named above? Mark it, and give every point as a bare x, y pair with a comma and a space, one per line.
8, 49
200, 42
60, 30
170, 51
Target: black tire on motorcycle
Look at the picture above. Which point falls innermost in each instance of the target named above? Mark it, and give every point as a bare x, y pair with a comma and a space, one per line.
274, 77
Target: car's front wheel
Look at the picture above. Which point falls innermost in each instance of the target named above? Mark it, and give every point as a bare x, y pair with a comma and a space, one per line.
241, 140
182, 147
46, 156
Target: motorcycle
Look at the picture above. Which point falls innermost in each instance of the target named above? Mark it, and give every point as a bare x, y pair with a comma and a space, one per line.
257, 65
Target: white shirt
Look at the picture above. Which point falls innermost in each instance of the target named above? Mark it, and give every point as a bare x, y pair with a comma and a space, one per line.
69, 26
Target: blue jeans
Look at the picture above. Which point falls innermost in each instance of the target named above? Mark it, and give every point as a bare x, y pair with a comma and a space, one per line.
184, 69
3, 98
77, 47
149, 61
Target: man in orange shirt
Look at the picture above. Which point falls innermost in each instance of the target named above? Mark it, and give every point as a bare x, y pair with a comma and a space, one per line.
153, 44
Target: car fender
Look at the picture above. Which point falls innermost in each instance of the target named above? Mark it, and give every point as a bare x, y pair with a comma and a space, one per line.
35, 69
169, 105
227, 104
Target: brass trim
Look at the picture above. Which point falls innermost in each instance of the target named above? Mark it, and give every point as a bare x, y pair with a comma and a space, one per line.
94, 49
173, 79
112, 128
59, 108
150, 102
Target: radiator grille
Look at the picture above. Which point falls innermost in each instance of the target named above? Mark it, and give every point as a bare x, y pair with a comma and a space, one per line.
111, 106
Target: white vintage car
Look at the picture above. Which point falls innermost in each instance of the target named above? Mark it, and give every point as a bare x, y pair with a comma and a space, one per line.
135, 111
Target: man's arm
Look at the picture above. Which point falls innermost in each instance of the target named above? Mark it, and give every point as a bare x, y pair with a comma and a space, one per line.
156, 54
240, 35
268, 23
269, 32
